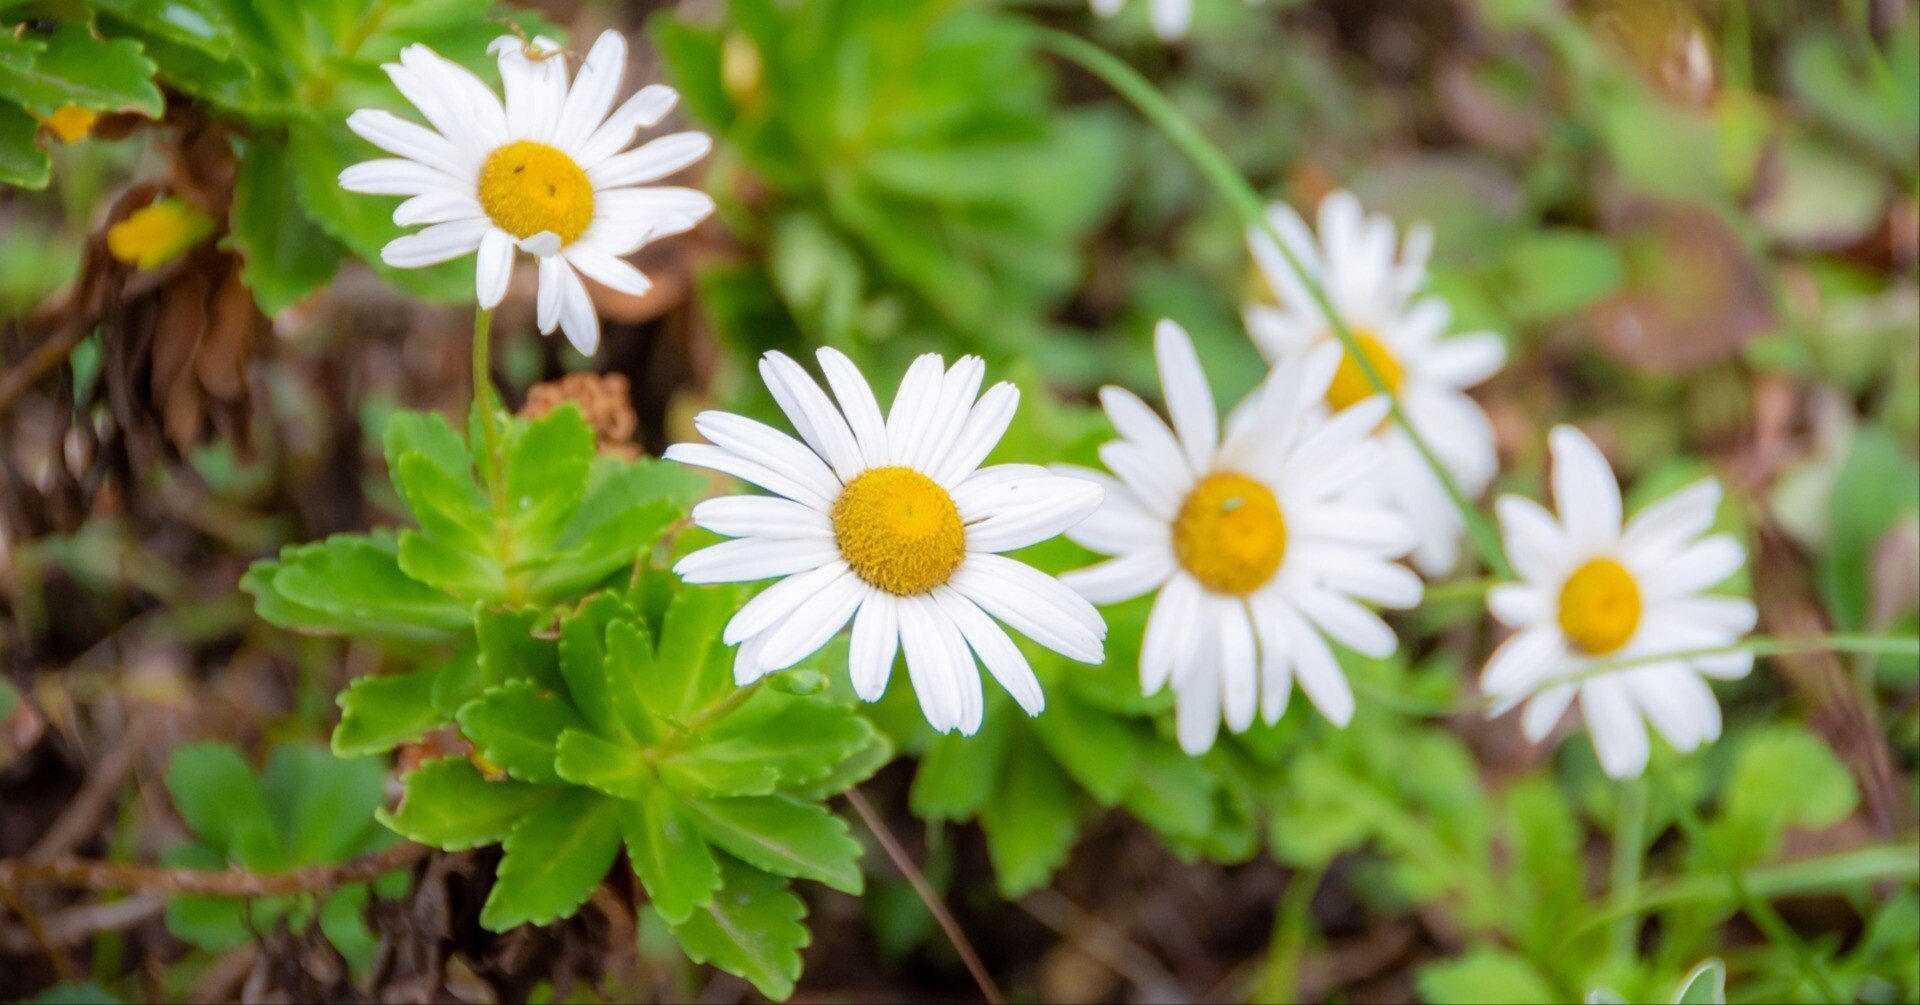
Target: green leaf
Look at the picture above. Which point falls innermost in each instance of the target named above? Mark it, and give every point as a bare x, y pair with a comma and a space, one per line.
1485, 975
449, 805
583, 659
518, 728
1553, 273
553, 859
784, 836
1100, 750
353, 584
1705, 984
616, 769
691, 665
430, 435
510, 651
447, 505
630, 681
218, 796
627, 508
792, 740
22, 160
451, 569
669, 856
1877, 487
1783, 776
286, 256
750, 928
378, 713
958, 775
322, 806
1031, 822
547, 462
859, 766
73, 67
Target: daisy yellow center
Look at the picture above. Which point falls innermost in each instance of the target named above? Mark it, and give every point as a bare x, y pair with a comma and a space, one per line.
1350, 384
529, 187
1600, 606
899, 530
1229, 534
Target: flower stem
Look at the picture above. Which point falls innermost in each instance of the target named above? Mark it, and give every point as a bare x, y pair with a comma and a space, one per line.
483, 401
1883, 645
1227, 180
1629, 848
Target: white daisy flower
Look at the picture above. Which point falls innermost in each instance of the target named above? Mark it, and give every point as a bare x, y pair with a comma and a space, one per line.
894, 525
548, 172
1592, 590
1252, 539
1375, 291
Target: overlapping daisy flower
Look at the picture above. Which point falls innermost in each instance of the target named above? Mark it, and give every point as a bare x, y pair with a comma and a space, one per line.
893, 524
547, 171
1255, 540
1593, 591
1375, 287
1170, 18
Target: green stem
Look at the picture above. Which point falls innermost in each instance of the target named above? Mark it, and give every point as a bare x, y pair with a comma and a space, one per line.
1762, 646
1760, 911
1292, 926
1227, 180
484, 401
1629, 849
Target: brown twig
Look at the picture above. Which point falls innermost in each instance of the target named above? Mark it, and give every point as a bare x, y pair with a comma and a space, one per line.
1101, 942
78, 924
898, 855
94, 874
31, 922
97, 796
44, 358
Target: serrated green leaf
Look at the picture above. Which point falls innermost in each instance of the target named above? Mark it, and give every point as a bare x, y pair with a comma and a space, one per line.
353, 583
378, 713
1032, 821
802, 740
616, 769
509, 650
1705, 984
449, 805
218, 796
750, 928
553, 859
727, 771
670, 856
446, 505
457, 683
286, 256
547, 461
691, 665
430, 435
629, 672
451, 569
583, 658
74, 67
23, 162
784, 836
859, 766
518, 728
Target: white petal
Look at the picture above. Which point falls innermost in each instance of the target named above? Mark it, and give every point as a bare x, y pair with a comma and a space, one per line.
1704, 563
651, 161
746, 661
776, 603
1584, 489
664, 209
392, 176
1197, 705
1121, 524
647, 106
1465, 360
608, 271
958, 389
1543, 712
706, 455
493, 268
1673, 521
1536, 543
1619, 737
1161, 490
761, 516
437, 207
929, 665
591, 95
1238, 663
1320, 674
1124, 578
1041, 509
986, 423
578, 320
1527, 660
442, 242
996, 650
1375, 582
876, 639
857, 404
1170, 19
772, 449
812, 414
1519, 604
1678, 704
1735, 616
819, 618
397, 136
1172, 632
548, 294
913, 405
1134, 421
751, 558
1189, 400
1348, 623
1044, 618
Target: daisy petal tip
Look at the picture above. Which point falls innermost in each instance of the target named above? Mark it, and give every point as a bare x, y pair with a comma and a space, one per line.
541, 245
